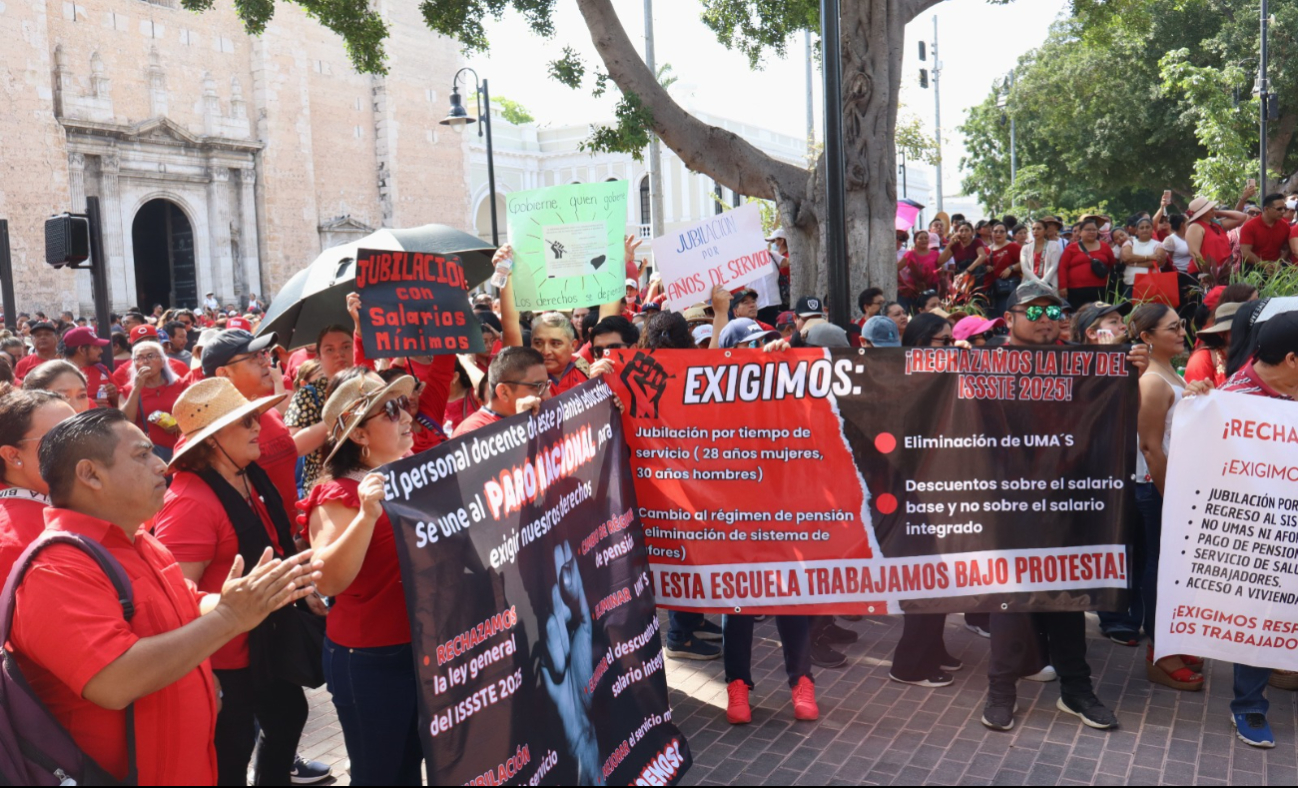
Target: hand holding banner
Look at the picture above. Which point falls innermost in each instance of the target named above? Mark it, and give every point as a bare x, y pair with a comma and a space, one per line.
567, 244
727, 250
415, 304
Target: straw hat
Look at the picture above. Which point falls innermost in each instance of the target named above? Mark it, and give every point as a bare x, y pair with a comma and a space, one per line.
1222, 319
208, 406
1200, 206
354, 401
1048, 219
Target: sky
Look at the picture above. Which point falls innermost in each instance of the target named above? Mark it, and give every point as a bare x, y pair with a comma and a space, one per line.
979, 43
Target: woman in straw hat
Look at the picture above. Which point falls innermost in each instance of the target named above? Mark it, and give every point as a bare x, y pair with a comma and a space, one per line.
222, 504
368, 661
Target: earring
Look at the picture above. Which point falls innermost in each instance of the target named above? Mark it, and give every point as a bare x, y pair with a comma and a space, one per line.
365, 452
19, 463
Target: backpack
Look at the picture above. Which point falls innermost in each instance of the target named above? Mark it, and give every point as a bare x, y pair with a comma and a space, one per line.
35, 749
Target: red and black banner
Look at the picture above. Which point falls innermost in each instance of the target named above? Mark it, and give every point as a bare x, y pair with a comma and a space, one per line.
415, 304
531, 606
881, 480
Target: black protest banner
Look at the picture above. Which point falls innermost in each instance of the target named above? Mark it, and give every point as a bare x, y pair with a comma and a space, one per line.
531, 608
414, 304
884, 480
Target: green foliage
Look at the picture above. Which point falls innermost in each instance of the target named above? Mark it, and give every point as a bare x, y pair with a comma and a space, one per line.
569, 69
913, 141
1284, 282
362, 29
754, 26
1222, 129
462, 20
513, 111
630, 132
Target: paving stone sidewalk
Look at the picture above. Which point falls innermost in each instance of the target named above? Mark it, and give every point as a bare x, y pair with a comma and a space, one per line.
873, 731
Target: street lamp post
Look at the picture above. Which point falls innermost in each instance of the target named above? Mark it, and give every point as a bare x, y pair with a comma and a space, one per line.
1264, 88
458, 117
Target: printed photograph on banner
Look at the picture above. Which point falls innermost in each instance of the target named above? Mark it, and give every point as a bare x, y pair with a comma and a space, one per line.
532, 613
727, 250
816, 481
1228, 568
568, 245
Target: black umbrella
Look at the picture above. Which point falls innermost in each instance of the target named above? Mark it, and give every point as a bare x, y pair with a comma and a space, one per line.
316, 296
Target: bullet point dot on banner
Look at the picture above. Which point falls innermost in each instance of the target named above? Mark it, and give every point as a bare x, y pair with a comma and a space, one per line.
887, 503
885, 443
426, 662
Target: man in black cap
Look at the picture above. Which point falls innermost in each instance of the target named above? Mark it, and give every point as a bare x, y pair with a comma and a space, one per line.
247, 363
745, 305
810, 311
1017, 639
45, 347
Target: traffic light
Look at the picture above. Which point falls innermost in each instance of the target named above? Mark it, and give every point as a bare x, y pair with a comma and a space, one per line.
67, 240
923, 51
923, 78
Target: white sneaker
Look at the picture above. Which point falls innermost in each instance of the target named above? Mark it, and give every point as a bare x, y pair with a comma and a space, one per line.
1045, 674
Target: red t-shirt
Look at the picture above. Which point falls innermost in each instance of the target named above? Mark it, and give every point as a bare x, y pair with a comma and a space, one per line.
195, 527
570, 379
122, 374
162, 398
481, 418
1215, 247
1005, 257
68, 627
297, 359
1075, 266
22, 518
919, 273
371, 613
28, 363
459, 410
1269, 243
96, 375
1203, 366
279, 459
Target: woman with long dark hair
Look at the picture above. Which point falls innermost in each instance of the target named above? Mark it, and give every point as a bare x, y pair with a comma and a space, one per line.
25, 417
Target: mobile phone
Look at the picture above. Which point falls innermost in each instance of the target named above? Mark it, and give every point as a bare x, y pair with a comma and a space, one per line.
1167, 195
1104, 336
1252, 183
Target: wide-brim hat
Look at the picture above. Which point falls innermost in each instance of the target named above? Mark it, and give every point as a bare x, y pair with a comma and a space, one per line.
1055, 220
354, 401
1199, 206
209, 406
1099, 219
1222, 319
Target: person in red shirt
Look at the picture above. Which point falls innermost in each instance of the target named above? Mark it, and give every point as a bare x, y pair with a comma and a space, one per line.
554, 338
25, 417
45, 347
516, 381
78, 652
63, 379
1079, 282
81, 348
1206, 237
368, 658
1264, 240
150, 393
245, 362
122, 374
222, 504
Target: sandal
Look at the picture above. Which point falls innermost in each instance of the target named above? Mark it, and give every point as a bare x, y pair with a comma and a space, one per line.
1173, 673
1192, 662
1284, 679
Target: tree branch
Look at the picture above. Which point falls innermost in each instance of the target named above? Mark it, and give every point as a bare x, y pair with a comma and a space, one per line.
913, 8
722, 154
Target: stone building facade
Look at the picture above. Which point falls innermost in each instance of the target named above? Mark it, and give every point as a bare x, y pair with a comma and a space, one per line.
222, 162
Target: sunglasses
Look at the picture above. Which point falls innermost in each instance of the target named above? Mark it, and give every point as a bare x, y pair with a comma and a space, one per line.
943, 341
393, 409
598, 352
1034, 313
538, 388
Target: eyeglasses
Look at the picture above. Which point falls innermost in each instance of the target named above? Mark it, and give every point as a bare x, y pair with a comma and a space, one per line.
262, 357
148, 357
1175, 328
1034, 313
393, 409
941, 342
539, 388
598, 351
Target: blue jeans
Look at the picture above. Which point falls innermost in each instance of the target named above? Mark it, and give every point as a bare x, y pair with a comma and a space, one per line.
681, 626
374, 691
795, 636
1250, 690
1149, 502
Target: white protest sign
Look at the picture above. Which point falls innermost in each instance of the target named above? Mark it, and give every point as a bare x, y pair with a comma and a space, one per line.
1228, 570
727, 249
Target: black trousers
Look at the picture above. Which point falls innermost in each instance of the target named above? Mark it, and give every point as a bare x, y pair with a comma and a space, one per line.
1016, 649
278, 707
737, 643
921, 648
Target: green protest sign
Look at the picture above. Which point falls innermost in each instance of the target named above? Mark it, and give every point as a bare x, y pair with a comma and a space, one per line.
568, 245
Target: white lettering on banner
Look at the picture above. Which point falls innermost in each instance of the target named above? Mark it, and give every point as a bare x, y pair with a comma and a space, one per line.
726, 250
1228, 571
890, 580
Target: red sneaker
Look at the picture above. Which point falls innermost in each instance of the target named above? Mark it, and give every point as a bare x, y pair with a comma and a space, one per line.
804, 700
738, 712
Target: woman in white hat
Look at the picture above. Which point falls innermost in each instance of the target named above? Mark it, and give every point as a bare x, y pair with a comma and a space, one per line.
1205, 235
221, 504
368, 661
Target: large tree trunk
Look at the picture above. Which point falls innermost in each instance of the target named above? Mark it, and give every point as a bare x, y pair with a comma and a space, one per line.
1277, 146
873, 35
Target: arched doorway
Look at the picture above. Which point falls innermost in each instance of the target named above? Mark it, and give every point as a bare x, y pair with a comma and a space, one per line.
164, 257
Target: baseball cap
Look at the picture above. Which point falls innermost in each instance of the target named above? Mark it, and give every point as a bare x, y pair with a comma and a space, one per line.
83, 336
779, 233
809, 306
651, 306
829, 335
880, 331
786, 319
1090, 314
973, 325
230, 343
743, 293
239, 324
633, 283
1031, 291
144, 333
43, 325
702, 333
744, 330
489, 320
1279, 336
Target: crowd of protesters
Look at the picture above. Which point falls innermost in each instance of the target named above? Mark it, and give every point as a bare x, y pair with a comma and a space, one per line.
234, 480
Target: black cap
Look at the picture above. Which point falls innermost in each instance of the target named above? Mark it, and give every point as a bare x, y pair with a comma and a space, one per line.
1033, 289
489, 319
1090, 314
43, 325
228, 344
1277, 338
808, 306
